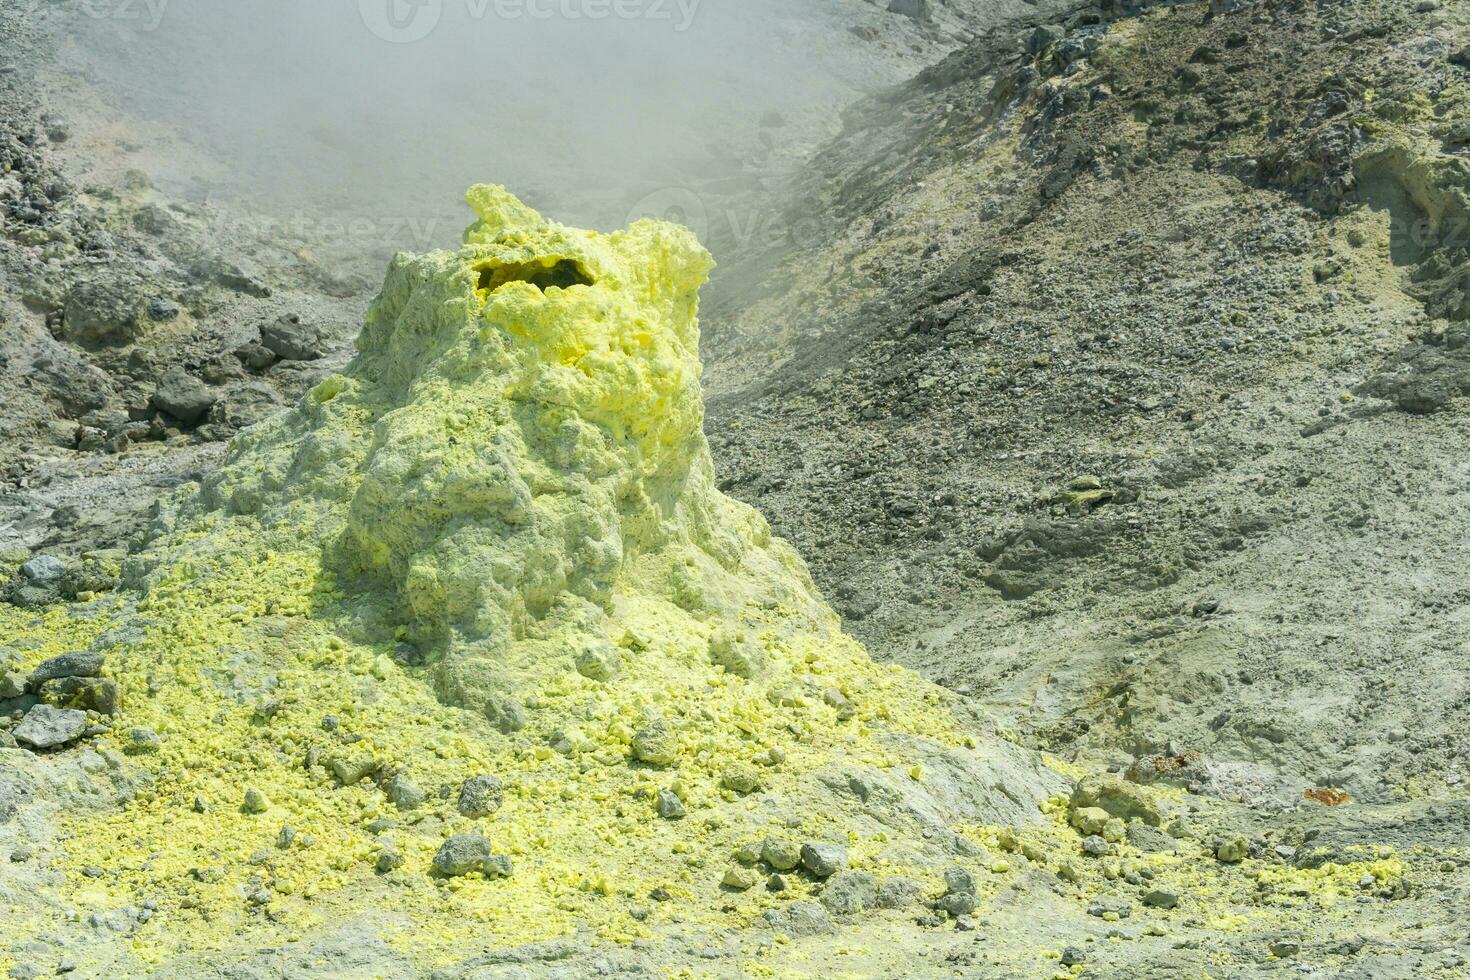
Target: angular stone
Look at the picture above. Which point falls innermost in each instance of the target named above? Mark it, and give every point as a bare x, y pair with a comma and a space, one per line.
84, 693
82, 663
290, 339
741, 777
461, 854
403, 792
1118, 798
45, 727
823, 860
913, 9
351, 770
897, 893
1233, 851
781, 855
800, 919
740, 879
480, 796
959, 903
44, 570
850, 892
655, 745
957, 879
182, 396
12, 685
670, 807
599, 661
1161, 899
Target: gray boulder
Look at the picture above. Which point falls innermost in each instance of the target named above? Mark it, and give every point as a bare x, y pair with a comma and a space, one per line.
12, 685
404, 793
84, 693
897, 893
461, 854
480, 796
182, 396
799, 919
45, 727
823, 860
78, 663
291, 340
44, 570
850, 892
103, 311
915, 9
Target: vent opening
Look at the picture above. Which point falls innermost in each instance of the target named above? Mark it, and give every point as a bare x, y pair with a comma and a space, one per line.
542, 273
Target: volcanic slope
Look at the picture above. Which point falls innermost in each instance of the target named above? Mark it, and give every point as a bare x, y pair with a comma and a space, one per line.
1124, 390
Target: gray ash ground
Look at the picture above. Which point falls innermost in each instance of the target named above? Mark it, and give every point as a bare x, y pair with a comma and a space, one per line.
1113, 372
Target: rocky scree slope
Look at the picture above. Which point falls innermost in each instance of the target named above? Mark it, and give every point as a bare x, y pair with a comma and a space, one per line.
1124, 390
138, 330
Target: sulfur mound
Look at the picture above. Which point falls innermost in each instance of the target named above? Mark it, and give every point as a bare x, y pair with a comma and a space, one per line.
468, 646
517, 455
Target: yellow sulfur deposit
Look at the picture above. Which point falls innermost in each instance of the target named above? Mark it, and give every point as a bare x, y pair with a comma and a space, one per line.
494, 547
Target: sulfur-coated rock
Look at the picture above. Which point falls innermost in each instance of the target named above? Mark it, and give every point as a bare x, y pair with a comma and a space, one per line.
739, 879
741, 777
349, 770
1233, 850
97, 694
599, 660
655, 745
1118, 798
781, 854
403, 792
